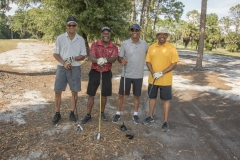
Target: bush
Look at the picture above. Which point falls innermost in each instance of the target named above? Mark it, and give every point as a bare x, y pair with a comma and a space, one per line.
208, 46
232, 47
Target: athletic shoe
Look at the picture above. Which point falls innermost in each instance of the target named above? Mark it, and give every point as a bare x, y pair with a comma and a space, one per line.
103, 116
165, 127
136, 119
56, 118
148, 120
116, 118
86, 119
72, 117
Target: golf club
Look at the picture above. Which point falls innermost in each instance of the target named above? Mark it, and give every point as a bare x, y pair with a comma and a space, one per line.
130, 136
97, 136
123, 127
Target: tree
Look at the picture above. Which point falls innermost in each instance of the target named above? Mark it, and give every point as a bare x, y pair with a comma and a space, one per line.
235, 14
198, 66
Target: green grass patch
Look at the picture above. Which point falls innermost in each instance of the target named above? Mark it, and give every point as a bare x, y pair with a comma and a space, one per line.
219, 51
9, 44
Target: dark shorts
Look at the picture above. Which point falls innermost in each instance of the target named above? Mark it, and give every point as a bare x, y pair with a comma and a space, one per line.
165, 92
71, 77
136, 83
94, 82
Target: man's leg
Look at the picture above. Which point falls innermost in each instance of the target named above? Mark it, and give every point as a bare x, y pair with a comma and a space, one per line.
90, 104
166, 108
104, 102
152, 103
74, 100
58, 99
136, 103
57, 116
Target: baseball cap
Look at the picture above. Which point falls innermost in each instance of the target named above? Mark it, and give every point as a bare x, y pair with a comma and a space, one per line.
71, 19
162, 30
105, 28
135, 26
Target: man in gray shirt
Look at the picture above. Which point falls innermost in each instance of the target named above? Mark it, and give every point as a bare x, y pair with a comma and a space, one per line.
132, 56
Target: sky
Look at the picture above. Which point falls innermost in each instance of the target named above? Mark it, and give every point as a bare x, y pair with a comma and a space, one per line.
220, 7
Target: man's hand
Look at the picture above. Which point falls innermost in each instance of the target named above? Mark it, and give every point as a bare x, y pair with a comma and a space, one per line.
69, 60
157, 75
124, 61
101, 61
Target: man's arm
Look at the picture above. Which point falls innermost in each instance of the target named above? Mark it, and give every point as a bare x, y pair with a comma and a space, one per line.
170, 68
60, 60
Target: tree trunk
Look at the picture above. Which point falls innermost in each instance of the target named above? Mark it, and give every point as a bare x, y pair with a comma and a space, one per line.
201, 36
147, 19
86, 43
142, 13
133, 17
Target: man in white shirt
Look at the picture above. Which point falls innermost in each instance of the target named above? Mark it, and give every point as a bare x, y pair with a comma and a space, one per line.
69, 50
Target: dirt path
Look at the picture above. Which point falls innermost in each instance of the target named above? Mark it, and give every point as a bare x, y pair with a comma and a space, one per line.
204, 117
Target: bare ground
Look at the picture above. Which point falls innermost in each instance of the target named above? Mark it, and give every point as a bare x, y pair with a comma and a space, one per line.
204, 117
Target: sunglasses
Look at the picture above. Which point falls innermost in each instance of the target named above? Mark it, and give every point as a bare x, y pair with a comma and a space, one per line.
134, 30
74, 25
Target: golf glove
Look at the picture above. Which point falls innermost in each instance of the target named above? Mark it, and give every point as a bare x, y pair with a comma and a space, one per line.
157, 75
69, 60
101, 61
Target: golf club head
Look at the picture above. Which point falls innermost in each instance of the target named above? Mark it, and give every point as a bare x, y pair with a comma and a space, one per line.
123, 128
79, 128
97, 136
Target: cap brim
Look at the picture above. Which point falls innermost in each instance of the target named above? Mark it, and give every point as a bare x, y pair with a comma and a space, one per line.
71, 22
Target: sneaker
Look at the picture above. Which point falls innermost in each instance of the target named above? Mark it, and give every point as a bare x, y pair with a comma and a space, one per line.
136, 119
103, 116
56, 118
86, 119
116, 118
148, 120
72, 117
165, 127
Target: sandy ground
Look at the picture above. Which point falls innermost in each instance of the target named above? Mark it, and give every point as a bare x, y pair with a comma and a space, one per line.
204, 117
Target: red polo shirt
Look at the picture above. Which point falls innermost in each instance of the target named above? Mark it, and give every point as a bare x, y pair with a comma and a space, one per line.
98, 50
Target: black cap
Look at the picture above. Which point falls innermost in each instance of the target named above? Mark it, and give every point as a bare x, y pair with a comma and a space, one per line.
71, 19
105, 28
135, 26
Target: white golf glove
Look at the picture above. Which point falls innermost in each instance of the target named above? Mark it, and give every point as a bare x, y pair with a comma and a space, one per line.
157, 75
69, 60
101, 61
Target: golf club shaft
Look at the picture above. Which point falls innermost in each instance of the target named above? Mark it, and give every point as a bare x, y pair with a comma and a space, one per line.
99, 123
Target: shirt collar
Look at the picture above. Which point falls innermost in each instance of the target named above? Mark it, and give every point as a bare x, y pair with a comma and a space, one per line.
139, 41
101, 44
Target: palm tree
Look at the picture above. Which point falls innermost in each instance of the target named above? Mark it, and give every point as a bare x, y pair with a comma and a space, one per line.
198, 66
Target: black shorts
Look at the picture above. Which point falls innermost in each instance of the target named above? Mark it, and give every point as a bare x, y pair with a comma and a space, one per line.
136, 83
94, 82
165, 92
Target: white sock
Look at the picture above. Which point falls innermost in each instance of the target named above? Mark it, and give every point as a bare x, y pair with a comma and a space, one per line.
135, 113
118, 113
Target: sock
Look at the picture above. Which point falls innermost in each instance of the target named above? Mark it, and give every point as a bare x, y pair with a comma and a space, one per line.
135, 113
118, 113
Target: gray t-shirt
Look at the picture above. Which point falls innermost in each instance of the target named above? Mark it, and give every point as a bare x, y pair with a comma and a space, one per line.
135, 53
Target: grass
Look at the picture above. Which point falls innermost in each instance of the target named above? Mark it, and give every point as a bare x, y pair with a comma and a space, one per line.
9, 44
219, 51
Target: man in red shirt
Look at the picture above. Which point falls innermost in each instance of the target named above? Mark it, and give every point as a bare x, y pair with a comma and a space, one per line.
102, 54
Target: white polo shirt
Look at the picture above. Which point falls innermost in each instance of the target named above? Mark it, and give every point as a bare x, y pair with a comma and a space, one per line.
67, 48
